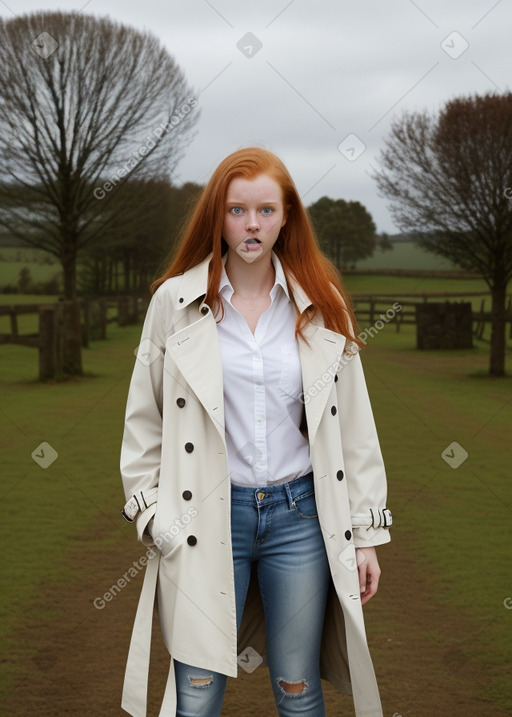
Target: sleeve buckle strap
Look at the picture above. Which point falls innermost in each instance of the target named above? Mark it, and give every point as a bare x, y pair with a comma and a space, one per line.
377, 518
135, 504
381, 518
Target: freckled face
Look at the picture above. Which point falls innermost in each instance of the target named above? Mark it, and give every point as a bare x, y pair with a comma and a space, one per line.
254, 215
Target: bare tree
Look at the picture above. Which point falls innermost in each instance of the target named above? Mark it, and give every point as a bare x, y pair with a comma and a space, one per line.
85, 103
450, 178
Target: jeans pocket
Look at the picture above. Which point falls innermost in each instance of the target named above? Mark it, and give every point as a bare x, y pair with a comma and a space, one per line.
305, 506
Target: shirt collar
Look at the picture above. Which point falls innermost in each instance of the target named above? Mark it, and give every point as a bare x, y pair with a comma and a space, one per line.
226, 288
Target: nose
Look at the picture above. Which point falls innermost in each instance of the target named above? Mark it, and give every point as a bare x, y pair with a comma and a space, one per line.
252, 223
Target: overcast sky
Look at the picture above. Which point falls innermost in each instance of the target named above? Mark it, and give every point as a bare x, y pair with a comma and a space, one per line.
316, 81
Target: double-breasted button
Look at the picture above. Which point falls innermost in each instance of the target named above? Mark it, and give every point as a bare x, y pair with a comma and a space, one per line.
335, 378
348, 534
181, 402
181, 299
340, 475
189, 447
204, 310
186, 495
192, 540
334, 410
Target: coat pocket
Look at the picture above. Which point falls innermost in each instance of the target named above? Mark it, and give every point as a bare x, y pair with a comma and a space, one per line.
167, 541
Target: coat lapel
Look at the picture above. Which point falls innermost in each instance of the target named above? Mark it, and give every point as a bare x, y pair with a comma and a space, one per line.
320, 357
196, 352
320, 361
195, 349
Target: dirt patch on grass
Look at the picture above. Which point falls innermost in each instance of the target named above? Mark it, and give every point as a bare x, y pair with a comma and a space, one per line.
76, 658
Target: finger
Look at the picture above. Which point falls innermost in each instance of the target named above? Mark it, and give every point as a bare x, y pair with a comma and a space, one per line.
371, 587
362, 567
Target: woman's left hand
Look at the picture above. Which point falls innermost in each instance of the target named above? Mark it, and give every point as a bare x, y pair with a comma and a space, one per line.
369, 572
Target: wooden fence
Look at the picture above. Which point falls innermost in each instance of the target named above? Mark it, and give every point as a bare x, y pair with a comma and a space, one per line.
372, 308
61, 333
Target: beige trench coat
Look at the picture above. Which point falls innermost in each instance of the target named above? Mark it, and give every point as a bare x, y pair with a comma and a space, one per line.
174, 468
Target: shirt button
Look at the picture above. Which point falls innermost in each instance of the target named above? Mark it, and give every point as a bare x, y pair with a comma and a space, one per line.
333, 410
192, 540
181, 402
335, 378
339, 475
186, 495
189, 447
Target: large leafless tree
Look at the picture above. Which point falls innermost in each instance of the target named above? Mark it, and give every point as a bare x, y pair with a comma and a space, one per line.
449, 177
85, 104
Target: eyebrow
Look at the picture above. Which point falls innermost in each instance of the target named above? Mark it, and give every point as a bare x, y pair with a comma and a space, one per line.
230, 201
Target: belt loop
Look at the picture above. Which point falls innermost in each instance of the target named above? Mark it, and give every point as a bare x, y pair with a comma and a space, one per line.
289, 497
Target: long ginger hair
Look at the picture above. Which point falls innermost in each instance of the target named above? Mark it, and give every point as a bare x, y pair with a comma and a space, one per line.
296, 246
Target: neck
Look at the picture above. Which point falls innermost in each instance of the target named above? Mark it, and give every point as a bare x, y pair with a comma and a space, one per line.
250, 280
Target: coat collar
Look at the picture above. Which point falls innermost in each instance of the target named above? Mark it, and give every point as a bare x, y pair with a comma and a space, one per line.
195, 284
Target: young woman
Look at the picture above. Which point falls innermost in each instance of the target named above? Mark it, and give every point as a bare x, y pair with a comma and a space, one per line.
250, 459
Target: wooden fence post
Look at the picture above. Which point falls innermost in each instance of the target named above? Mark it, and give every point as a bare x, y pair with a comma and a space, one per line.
49, 359
14, 323
127, 310
372, 310
71, 338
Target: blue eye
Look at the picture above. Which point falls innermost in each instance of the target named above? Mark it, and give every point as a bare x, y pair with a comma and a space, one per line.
267, 210
236, 210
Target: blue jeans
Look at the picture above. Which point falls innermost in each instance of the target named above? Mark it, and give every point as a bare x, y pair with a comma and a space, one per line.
277, 527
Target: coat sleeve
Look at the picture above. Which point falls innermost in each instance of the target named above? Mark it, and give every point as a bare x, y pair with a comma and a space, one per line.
364, 466
142, 436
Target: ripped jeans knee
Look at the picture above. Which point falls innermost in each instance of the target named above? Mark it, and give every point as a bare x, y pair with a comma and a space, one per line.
200, 682
291, 688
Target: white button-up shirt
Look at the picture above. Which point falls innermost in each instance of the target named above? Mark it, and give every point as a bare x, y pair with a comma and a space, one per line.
262, 389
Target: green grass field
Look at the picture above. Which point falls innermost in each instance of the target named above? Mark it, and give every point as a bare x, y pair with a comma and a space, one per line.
42, 266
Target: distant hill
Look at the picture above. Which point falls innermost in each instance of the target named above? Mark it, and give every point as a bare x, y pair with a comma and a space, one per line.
406, 254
